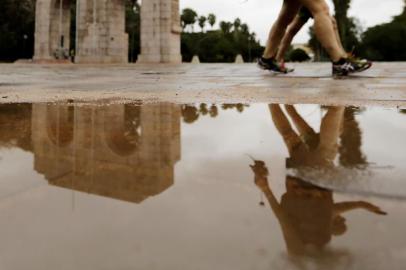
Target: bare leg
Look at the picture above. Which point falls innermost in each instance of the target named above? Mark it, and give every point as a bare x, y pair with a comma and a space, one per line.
324, 28
330, 131
288, 12
340, 44
291, 32
301, 125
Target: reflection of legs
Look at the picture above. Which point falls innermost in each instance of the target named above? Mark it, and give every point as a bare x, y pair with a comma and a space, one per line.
288, 12
282, 124
301, 125
291, 32
324, 28
330, 131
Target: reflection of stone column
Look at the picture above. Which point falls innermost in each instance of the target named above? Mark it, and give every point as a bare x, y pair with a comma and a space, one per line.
50, 35
95, 163
52, 149
101, 32
160, 32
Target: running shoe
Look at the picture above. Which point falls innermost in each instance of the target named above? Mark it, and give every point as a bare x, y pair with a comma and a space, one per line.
271, 64
361, 64
284, 67
346, 66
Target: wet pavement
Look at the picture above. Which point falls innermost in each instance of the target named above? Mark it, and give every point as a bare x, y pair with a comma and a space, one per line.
202, 186
310, 83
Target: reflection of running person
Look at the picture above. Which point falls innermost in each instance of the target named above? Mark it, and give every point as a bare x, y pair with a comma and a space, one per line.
307, 213
309, 148
325, 33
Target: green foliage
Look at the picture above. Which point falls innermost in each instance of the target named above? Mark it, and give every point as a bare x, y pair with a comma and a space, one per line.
298, 55
386, 42
211, 18
188, 17
202, 22
221, 45
17, 22
346, 25
226, 27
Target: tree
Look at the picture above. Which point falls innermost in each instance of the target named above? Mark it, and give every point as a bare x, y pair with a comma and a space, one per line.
202, 22
350, 148
225, 27
237, 24
298, 55
188, 17
211, 19
385, 42
341, 14
17, 22
244, 28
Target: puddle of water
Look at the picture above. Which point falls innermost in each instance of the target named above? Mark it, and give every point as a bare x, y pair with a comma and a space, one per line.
202, 186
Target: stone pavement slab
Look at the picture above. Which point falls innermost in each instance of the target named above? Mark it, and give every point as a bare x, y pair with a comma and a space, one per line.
384, 84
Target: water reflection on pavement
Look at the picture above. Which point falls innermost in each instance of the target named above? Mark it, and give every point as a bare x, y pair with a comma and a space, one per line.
166, 186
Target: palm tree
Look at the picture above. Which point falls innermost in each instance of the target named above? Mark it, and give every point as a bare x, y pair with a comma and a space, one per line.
202, 22
188, 17
245, 29
237, 24
211, 19
225, 27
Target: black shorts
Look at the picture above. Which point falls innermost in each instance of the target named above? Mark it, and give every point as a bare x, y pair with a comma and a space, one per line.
305, 14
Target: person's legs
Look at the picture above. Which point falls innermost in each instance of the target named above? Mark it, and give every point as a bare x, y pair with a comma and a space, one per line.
324, 28
337, 34
291, 139
330, 131
290, 33
302, 126
288, 12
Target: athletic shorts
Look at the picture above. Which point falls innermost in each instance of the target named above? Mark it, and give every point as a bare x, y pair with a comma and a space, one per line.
305, 14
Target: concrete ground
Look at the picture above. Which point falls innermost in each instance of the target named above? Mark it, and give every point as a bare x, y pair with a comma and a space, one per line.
384, 84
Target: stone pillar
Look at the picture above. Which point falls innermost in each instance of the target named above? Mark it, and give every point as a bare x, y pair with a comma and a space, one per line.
101, 36
160, 32
52, 29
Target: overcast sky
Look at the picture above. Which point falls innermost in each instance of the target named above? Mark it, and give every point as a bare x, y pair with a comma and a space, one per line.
260, 14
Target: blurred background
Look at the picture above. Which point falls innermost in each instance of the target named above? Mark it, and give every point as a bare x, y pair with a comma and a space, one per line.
218, 32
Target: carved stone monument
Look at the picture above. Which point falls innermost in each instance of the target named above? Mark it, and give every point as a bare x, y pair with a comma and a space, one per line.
100, 31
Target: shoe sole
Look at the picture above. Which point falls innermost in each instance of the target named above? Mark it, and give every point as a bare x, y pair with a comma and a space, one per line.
365, 68
272, 70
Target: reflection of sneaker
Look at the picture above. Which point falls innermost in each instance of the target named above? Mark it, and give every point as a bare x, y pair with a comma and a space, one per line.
271, 64
350, 65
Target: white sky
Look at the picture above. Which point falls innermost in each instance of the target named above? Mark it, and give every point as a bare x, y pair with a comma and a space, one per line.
260, 14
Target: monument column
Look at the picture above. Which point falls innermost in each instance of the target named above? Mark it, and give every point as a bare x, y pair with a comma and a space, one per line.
101, 36
160, 32
52, 30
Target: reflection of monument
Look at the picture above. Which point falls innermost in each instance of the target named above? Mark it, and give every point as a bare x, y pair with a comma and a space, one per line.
125, 152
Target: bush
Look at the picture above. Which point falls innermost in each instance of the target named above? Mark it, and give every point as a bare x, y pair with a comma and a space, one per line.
385, 42
298, 55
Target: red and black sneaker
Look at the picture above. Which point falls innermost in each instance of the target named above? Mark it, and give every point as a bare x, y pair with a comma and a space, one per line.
272, 65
